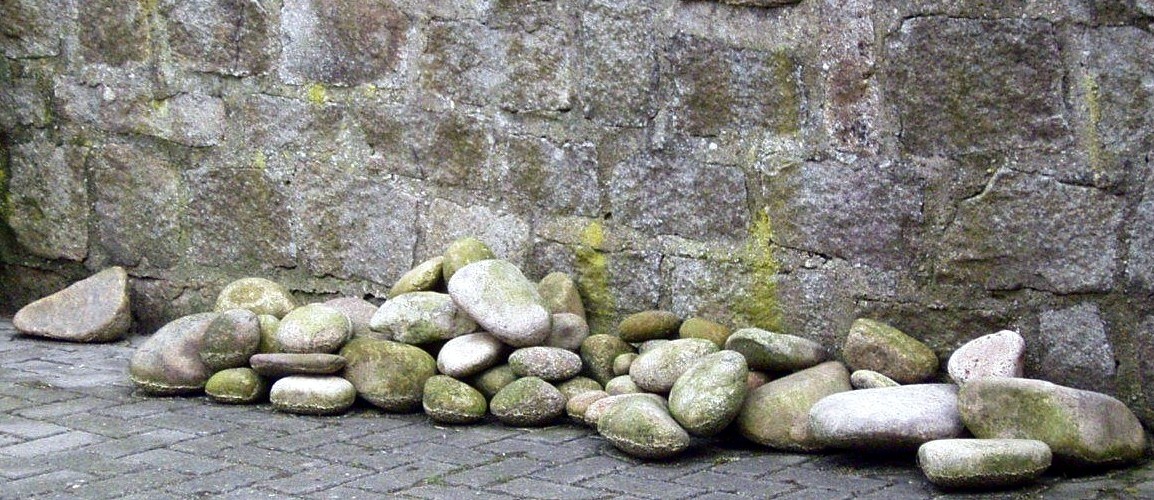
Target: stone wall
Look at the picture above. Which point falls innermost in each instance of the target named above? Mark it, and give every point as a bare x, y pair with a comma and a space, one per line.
952, 167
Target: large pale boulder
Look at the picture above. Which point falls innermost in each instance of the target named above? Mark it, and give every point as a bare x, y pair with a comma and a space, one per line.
420, 318
776, 414
388, 374
94, 309
709, 395
1001, 354
775, 352
983, 463
504, 302
872, 345
259, 295
312, 328
641, 427
658, 369
890, 418
1081, 427
169, 363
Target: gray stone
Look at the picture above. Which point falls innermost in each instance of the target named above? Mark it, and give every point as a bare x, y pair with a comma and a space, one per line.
122, 36
447, 400
388, 374
537, 70
268, 326
776, 414
775, 352
508, 235
597, 409
643, 428
94, 309
561, 179
576, 405
242, 216
620, 62
230, 340
1000, 354
420, 318
470, 354
560, 294
359, 311
657, 370
463, 252
622, 363
1073, 348
502, 301
551, 364
701, 328
205, 35
869, 379
567, 331
279, 364
423, 278
1082, 428
621, 384
458, 62
889, 418
528, 402
47, 200
258, 295
168, 363
340, 42
578, 385
34, 29
236, 386
491, 381
983, 463
313, 328
709, 395
876, 346
312, 395
648, 325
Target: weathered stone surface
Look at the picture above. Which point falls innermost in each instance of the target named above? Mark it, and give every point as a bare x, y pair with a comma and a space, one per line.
775, 352
536, 64
236, 386
869, 379
279, 364
567, 331
643, 428
1082, 428
230, 340
268, 326
648, 325
657, 370
491, 381
506, 234
621, 63
34, 29
1073, 348
169, 362
118, 33
560, 294
502, 301
1000, 354
458, 61
312, 328
95, 309
561, 178
258, 295
239, 216
709, 395
528, 402
622, 384
701, 328
469, 354
312, 394
578, 403
206, 35
48, 200
872, 345
979, 84
551, 364
577, 385
388, 374
420, 318
340, 42
622, 363
983, 463
776, 414
889, 418
423, 278
447, 400
358, 310
463, 252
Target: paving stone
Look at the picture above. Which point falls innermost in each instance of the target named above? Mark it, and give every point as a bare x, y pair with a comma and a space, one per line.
36, 486
151, 440
733, 483
644, 487
403, 477
441, 492
499, 470
316, 479
82, 460
50, 444
28, 429
120, 486
535, 488
580, 470
232, 478
260, 457
177, 461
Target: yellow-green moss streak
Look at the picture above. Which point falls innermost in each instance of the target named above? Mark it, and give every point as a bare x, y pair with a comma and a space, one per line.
317, 94
593, 280
760, 306
1096, 152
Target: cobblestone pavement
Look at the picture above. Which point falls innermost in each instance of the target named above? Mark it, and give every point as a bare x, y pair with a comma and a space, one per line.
72, 426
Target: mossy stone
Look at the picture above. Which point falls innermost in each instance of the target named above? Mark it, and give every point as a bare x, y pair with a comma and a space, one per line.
622, 384
553, 364
873, 345
259, 295
268, 326
450, 401
578, 385
420, 318
649, 325
869, 379
700, 328
230, 339
643, 428
423, 278
236, 386
709, 395
598, 353
657, 370
168, 362
312, 328
578, 404
388, 374
775, 352
491, 381
622, 363
463, 252
776, 414
560, 294
983, 463
528, 402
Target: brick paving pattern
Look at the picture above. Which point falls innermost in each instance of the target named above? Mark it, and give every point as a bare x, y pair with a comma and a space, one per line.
72, 426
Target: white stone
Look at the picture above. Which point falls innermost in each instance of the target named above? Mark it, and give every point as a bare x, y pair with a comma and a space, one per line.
999, 354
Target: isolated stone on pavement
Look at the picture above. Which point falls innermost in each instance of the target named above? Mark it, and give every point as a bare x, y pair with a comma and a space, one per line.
168, 362
777, 413
236, 386
551, 364
469, 354
312, 394
94, 309
775, 352
658, 370
423, 278
983, 463
388, 374
643, 428
890, 418
561, 295
622, 384
649, 325
447, 400
312, 328
701, 328
598, 353
567, 332
505, 303
280, 364
869, 379
491, 381
999, 354
258, 295
872, 345
358, 310
528, 402
230, 340
420, 318
709, 395
463, 252
1082, 428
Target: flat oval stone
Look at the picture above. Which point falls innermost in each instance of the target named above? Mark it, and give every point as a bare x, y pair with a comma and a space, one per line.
643, 428
999, 354
649, 325
775, 352
658, 369
890, 418
312, 328
776, 414
551, 364
230, 339
94, 309
449, 401
281, 364
259, 295
388, 374
598, 353
709, 395
421, 318
528, 402
236, 386
983, 463
502, 301
423, 278
876, 346
312, 395
470, 354
168, 362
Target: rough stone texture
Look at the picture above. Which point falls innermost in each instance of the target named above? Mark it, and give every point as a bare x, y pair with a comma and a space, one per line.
340, 42
259, 295
889, 418
279, 364
359, 311
775, 352
423, 278
491, 381
312, 395
622, 384
700, 328
314, 328
983, 463
94, 309
230, 340
229, 37
169, 362
551, 364
643, 428
658, 369
388, 374
420, 318
869, 379
447, 400
709, 395
1073, 348
776, 414
876, 346
528, 402
561, 295
506, 304
648, 325
567, 331
48, 197
1000, 354
236, 386
470, 354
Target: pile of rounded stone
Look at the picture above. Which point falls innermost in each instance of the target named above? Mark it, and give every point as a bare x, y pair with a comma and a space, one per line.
466, 334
